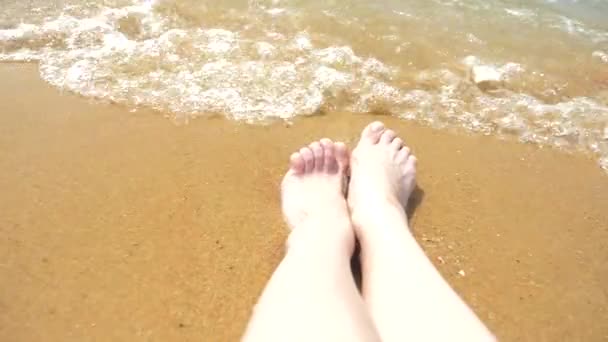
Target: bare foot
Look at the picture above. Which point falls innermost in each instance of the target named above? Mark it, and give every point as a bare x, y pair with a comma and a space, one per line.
383, 171
313, 188
400, 284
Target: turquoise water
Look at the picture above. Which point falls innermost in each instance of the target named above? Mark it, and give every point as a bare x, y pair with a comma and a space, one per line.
534, 70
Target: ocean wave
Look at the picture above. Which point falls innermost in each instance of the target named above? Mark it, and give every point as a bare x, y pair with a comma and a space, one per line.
188, 71
260, 63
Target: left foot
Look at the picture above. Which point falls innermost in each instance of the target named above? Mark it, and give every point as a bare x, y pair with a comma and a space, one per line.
313, 188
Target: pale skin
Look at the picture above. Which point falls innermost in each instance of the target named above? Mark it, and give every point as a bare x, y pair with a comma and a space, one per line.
312, 295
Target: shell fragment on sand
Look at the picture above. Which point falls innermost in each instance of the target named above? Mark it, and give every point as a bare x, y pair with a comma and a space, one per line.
486, 77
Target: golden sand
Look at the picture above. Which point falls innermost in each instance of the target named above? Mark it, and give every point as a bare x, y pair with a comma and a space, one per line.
123, 226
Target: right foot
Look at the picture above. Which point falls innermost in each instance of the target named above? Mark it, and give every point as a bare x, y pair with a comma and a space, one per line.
383, 172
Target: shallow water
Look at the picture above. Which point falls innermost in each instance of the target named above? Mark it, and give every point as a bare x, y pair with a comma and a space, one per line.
535, 70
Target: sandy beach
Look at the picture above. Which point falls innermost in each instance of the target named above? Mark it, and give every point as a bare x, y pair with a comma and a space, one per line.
119, 225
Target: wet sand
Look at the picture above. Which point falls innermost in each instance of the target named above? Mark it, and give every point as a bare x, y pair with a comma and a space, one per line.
123, 226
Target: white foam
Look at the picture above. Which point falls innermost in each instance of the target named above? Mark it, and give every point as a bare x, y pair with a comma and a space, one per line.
136, 55
328, 78
265, 50
520, 12
474, 39
342, 55
579, 29
600, 55
276, 11
302, 41
220, 41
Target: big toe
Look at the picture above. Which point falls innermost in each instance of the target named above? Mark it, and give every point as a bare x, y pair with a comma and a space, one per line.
371, 133
296, 163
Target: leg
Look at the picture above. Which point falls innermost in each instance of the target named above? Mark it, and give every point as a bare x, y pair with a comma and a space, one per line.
407, 297
312, 294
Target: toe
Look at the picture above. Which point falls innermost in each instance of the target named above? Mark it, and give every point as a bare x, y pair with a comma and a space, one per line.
403, 154
388, 136
296, 163
411, 163
341, 153
397, 144
308, 157
317, 151
331, 164
371, 133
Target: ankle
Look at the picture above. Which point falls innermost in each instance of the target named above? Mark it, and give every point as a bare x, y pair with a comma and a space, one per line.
315, 234
370, 211
380, 220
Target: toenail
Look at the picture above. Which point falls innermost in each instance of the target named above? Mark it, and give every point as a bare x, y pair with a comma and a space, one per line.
376, 126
